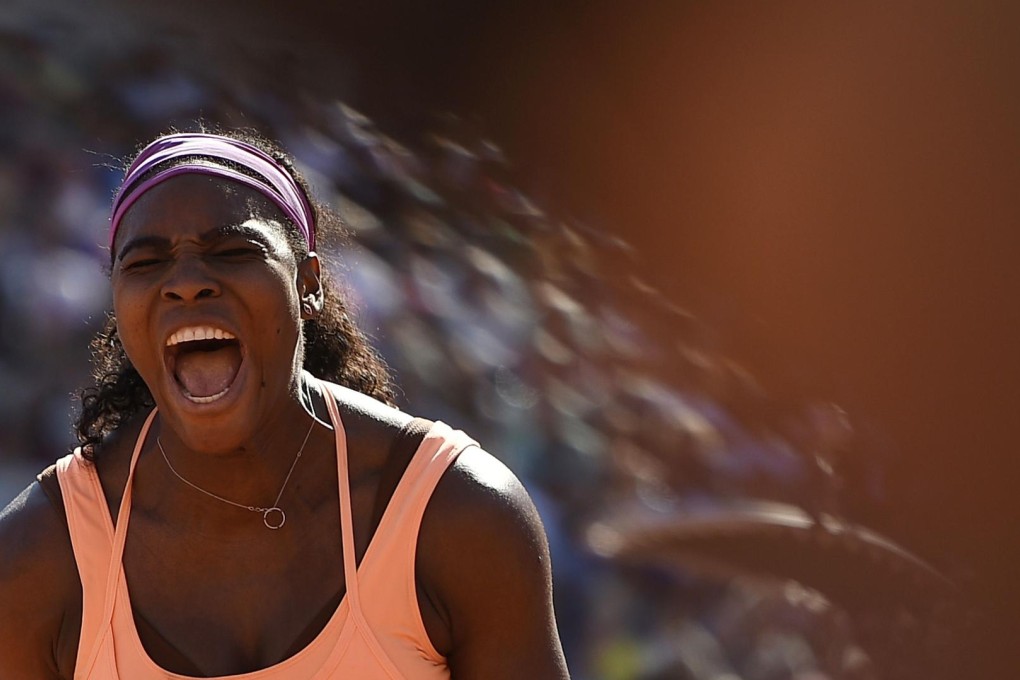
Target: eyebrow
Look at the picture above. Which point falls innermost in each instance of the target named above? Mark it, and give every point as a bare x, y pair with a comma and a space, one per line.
216, 233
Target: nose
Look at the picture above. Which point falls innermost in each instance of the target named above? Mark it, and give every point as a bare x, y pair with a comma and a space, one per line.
189, 280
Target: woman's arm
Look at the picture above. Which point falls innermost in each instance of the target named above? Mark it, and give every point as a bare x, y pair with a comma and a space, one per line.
38, 579
484, 554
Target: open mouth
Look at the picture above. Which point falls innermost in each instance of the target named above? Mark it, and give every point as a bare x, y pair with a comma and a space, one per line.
204, 361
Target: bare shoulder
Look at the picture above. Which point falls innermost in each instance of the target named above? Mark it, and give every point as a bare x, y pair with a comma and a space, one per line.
482, 513
37, 547
371, 427
38, 583
479, 496
360, 406
485, 557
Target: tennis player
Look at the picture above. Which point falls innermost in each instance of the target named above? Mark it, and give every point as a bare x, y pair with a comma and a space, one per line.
245, 501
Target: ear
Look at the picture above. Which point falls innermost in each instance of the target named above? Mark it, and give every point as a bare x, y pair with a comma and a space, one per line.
309, 285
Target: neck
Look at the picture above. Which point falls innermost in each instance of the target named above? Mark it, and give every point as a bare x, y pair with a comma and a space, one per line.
251, 474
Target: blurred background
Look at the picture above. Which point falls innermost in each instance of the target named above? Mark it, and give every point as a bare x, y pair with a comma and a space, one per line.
730, 286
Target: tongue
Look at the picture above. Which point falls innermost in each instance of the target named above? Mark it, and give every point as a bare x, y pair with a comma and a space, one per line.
204, 374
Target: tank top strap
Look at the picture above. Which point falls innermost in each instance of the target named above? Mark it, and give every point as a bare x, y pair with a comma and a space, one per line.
351, 577
346, 514
97, 545
437, 451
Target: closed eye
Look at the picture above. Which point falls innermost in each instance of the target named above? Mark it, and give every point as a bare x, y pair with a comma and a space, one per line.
239, 252
141, 264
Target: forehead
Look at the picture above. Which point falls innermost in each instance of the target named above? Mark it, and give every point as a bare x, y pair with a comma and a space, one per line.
192, 204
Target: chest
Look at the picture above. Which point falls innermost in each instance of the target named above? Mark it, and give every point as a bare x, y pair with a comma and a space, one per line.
222, 605
225, 604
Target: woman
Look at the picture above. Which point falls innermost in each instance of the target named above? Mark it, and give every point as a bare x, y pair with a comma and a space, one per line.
245, 503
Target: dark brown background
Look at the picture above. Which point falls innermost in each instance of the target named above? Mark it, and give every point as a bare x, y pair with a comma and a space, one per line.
832, 185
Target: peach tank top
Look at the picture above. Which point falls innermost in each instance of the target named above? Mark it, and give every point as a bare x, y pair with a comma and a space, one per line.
376, 632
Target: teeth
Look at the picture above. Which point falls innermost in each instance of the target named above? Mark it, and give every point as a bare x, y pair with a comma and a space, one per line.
193, 333
206, 400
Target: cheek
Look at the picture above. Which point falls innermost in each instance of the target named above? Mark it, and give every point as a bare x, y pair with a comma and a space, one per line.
279, 290
131, 325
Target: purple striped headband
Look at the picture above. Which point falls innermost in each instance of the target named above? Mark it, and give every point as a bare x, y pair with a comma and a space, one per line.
271, 179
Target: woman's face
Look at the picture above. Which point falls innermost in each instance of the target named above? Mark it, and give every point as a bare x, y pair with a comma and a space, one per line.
207, 295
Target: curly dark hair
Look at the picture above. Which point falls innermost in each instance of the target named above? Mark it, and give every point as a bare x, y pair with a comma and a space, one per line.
334, 348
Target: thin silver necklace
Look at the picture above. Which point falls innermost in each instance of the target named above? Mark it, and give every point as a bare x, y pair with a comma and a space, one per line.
270, 514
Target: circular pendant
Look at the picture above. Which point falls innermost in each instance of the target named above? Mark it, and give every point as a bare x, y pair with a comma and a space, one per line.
274, 518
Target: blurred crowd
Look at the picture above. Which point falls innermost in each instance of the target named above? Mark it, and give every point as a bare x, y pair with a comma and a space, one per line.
533, 332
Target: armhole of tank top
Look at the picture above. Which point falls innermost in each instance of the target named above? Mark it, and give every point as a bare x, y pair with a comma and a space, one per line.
456, 442
68, 641
50, 486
